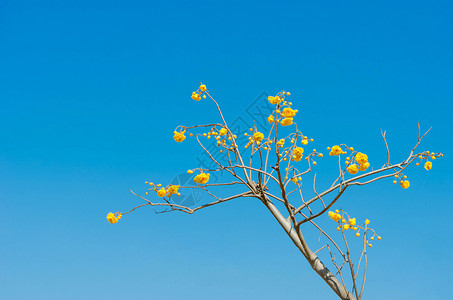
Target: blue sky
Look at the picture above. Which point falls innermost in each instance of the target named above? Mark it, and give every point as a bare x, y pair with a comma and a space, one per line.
91, 91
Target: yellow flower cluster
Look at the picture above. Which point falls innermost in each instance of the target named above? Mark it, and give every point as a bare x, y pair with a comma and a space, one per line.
286, 121
202, 178
353, 169
336, 150
258, 136
351, 223
298, 152
405, 184
334, 216
274, 100
425, 155
179, 136
224, 138
113, 217
361, 158
172, 190
288, 112
199, 93
196, 96
161, 191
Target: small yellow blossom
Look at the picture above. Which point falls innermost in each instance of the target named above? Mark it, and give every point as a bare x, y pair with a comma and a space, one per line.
179, 136
304, 142
274, 100
367, 221
223, 131
361, 158
289, 112
202, 87
112, 218
357, 234
202, 178
258, 136
428, 165
353, 169
270, 119
172, 189
405, 184
334, 216
196, 96
346, 226
336, 150
352, 221
189, 171
286, 121
364, 166
161, 192
298, 152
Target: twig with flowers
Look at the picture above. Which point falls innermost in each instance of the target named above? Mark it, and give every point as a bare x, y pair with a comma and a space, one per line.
269, 168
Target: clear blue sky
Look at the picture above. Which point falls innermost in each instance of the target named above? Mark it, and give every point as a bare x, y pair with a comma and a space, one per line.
91, 91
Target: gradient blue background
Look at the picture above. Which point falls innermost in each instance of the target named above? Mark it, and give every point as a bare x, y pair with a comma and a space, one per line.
91, 91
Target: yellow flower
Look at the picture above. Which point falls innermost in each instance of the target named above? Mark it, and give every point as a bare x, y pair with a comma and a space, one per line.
336, 150
189, 171
223, 131
202, 178
364, 166
304, 142
428, 165
196, 96
353, 169
286, 121
172, 189
270, 119
179, 136
111, 218
274, 100
334, 216
367, 221
346, 226
258, 136
281, 142
352, 221
298, 152
202, 87
288, 112
405, 184
361, 158
161, 192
